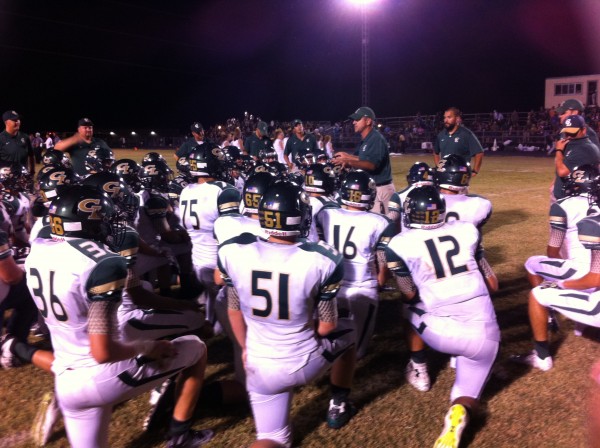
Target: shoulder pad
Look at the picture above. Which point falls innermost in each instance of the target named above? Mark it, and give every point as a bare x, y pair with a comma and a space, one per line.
322, 248
91, 249
107, 279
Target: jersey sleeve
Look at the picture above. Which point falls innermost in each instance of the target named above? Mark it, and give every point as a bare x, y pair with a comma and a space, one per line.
558, 217
589, 232
331, 285
395, 263
107, 280
229, 201
386, 236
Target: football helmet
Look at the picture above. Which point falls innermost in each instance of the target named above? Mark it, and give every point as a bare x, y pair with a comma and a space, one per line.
117, 190
358, 190
82, 211
420, 174
52, 181
176, 186
284, 210
232, 152
581, 179
129, 171
424, 208
254, 188
267, 155
97, 160
453, 173
206, 161
15, 177
156, 176
183, 168
56, 157
319, 179
153, 157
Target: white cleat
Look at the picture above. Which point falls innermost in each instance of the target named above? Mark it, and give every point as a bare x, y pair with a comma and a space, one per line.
532, 359
418, 376
45, 420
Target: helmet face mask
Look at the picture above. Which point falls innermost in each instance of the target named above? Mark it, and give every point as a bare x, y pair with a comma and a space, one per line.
424, 208
284, 210
453, 173
98, 160
129, 171
358, 190
85, 212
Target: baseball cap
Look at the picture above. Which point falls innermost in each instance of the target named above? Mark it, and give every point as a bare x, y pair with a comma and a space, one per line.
363, 112
197, 127
262, 128
296, 122
10, 115
573, 124
571, 104
85, 122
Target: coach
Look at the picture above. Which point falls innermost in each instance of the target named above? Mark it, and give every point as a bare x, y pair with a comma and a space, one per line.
457, 139
372, 155
15, 146
573, 150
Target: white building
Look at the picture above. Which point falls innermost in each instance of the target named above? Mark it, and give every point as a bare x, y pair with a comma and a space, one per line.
584, 88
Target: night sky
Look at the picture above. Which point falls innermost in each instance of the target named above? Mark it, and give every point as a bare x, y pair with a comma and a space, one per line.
165, 64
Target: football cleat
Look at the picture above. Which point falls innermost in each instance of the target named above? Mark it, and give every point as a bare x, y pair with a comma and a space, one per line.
339, 415
418, 376
162, 400
8, 359
454, 424
532, 359
191, 439
45, 419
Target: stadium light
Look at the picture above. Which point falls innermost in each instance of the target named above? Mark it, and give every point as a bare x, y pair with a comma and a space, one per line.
112, 133
133, 133
152, 133
365, 49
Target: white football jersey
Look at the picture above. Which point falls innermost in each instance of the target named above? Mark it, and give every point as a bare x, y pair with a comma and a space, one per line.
564, 215
231, 225
317, 203
357, 235
19, 214
279, 287
88, 272
442, 263
199, 207
467, 207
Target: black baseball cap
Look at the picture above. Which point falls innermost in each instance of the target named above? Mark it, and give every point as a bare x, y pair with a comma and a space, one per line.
263, 128
296, 122
85, 122
361, 112
571, 104
573, 124
10, 115
197, 127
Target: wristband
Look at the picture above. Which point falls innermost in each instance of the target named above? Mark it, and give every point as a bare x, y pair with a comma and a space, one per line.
559, 150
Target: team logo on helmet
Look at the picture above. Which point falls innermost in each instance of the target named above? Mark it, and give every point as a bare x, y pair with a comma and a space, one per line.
112, 188
123, 168
59, 177
91, 206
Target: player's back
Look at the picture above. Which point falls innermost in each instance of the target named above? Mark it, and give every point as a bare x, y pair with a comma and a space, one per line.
442, 263
317, 203
278, 285
356, 235
234, 224
564, 215
199, 208
61, 290
468, 207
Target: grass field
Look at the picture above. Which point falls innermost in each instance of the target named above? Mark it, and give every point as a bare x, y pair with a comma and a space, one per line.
523, 408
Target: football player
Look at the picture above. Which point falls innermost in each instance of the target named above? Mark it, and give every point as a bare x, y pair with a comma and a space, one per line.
201, 203
418, 175
272, 311
361, 237
319, 183
452, 312
94, 370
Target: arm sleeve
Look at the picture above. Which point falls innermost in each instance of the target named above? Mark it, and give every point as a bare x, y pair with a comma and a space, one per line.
102, 318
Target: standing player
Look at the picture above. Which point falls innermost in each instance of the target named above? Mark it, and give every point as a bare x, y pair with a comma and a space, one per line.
453, 311
361, 237
93, 370
278, 286
200, 204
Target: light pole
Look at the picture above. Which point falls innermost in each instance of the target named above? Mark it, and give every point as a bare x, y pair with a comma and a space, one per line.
364, 74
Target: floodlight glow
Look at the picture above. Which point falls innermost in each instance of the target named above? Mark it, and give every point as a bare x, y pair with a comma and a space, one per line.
219, 127
133, 133
112, 133
152, 133
362, 2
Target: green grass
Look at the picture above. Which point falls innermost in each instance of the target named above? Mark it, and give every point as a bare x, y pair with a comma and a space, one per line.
523, 408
